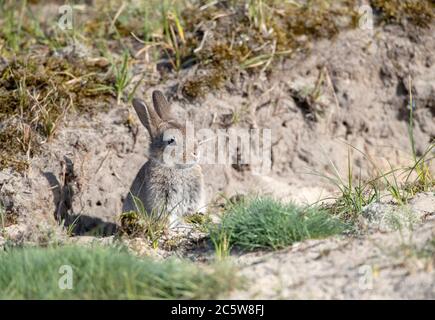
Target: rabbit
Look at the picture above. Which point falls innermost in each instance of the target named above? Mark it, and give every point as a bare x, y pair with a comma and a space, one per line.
177, 187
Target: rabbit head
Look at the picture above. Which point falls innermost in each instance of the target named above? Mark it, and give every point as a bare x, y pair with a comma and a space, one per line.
169, 142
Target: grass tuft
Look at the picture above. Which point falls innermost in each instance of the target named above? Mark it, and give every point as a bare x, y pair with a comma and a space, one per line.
103, 273
265, 223
152, 225
122, 76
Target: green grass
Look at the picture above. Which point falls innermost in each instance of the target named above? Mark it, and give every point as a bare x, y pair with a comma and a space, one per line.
265, 223
122, 75
352, 196
103, 273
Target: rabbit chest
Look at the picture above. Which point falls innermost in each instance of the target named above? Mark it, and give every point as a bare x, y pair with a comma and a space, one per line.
180, 191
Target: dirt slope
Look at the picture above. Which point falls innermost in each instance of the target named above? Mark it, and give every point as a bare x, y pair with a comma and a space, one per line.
361, 98
362, 101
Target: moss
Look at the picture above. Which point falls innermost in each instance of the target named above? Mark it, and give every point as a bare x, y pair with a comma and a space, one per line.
199, 86
132, 224
316, 19
217, 64
53, 77
35, 93
242, 33
418, 12
198, 219
241, 41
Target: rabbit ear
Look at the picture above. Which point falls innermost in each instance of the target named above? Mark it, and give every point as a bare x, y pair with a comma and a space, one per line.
147, 116
161, 105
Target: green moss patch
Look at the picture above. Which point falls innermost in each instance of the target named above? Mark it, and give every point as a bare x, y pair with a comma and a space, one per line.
418, 12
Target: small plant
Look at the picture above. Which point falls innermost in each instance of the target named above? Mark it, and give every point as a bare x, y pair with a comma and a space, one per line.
265, 223
174, 37
424, 177
142, 223
122, 75
71, 227
353, 197
107, 273
419, 168
221, 240
122, 78
424, 180
395, 189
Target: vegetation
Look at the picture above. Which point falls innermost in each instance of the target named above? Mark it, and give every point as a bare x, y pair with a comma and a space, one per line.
47, 71
151, 225
400, 183
417, 12
35, 94
265, 223
102, 273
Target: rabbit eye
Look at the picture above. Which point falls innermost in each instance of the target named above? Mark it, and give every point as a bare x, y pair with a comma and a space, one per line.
171, 141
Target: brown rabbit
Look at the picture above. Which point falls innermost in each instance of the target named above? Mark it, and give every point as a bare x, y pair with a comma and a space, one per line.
165, 182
